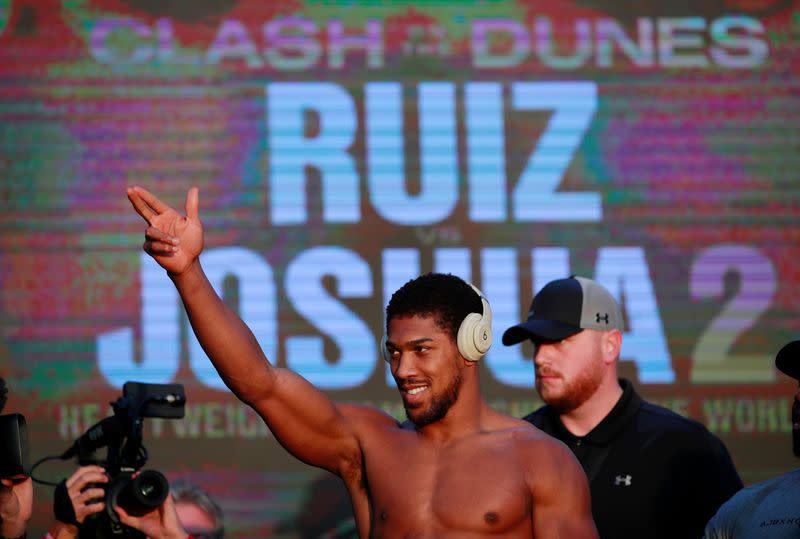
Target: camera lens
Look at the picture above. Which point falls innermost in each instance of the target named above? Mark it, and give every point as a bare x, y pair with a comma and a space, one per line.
149, 488
148, 491
142, 493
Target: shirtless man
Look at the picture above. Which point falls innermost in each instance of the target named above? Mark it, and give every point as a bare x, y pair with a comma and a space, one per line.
458, 468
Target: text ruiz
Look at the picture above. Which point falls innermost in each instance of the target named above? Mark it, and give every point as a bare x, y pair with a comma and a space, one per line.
534, 199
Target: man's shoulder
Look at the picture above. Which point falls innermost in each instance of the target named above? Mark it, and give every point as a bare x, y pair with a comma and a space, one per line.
539, 439
675, 432
782, 484
541, 451
365, 416
651, 419
521, 430
755, 502
654, 417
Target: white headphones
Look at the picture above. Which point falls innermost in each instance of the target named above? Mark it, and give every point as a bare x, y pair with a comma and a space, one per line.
474, 335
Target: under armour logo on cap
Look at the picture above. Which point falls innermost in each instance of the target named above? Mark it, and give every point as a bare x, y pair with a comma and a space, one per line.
623, 480
564, 307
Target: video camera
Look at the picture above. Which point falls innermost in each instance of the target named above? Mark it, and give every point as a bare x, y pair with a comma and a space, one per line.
13, 441
13, 447
136, 491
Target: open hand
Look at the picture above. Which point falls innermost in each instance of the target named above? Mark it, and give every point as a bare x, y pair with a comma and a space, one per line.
173, 240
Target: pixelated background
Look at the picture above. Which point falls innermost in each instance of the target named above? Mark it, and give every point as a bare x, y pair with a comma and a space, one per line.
343, 147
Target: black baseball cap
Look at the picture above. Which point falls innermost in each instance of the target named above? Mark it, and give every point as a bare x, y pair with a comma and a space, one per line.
565, 307
788, 359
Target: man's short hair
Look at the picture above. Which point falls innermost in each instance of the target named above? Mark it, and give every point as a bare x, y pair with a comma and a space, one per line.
788, 359
444, 297
185, 491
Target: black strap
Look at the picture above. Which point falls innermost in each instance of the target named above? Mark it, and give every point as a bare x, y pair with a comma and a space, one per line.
62, 505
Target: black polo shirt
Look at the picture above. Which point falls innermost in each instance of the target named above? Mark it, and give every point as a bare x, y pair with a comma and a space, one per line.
652, 473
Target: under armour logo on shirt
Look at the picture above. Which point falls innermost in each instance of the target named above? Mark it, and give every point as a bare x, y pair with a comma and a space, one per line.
623, 480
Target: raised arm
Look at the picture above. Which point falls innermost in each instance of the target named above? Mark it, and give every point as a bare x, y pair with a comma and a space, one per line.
560, 493
303, 419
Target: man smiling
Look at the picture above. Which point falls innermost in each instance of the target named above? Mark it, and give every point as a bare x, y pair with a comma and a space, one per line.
457, 468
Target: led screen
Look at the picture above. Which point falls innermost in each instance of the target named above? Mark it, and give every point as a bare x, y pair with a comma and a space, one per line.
344, 147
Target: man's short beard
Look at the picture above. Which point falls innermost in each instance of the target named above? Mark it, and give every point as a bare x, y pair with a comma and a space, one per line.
575, 393
439, 405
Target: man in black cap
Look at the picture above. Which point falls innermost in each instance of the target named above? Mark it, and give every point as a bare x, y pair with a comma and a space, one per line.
770, 509
652, 473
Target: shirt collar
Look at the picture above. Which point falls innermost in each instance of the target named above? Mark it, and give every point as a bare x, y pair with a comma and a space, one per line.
605, 431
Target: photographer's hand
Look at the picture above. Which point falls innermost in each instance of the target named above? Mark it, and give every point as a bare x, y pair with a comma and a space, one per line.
16, 506
160, 523
77, 498
86, 498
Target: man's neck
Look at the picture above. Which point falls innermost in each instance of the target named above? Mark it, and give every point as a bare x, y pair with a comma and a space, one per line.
463, 419
588, 415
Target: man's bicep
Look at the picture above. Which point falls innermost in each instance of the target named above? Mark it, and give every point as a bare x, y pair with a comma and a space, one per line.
562, 504
307, 423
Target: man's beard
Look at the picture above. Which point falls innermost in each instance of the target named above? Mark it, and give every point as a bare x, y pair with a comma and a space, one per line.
439, 405
574, 393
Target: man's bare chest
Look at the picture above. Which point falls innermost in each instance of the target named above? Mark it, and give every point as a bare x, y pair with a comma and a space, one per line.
472, 488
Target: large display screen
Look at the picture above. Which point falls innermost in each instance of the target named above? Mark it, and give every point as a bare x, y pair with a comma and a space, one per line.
342, 147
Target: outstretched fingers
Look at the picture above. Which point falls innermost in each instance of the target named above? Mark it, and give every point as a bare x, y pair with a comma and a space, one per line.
140, 205
146, 203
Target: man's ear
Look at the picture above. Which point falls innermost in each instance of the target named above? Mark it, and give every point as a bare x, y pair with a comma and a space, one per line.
468, 363
611, 345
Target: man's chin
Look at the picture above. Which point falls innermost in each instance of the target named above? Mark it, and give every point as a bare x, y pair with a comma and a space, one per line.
549, 396
413, 412
422, 416
418, 420
558, 402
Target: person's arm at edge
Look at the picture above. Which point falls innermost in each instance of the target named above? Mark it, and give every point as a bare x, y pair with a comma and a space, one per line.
721, 525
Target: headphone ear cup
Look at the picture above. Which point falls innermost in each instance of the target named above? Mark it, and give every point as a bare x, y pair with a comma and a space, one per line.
475, 332
384, 351
472, 337
482, 336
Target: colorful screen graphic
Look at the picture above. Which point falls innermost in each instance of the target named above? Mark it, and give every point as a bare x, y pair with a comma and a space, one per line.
342, 147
